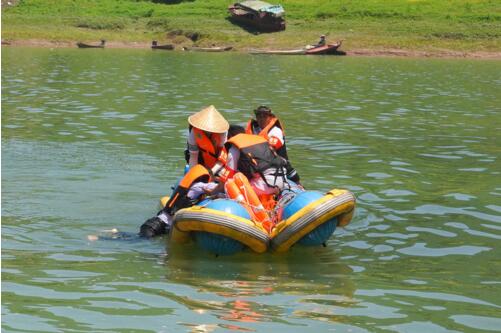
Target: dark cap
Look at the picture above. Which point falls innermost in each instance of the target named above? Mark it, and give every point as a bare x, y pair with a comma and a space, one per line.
262, 109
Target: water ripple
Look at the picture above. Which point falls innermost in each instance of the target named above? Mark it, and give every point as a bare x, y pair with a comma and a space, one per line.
91, 140
420, 249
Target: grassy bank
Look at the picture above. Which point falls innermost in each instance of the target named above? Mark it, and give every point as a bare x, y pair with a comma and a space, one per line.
425, 25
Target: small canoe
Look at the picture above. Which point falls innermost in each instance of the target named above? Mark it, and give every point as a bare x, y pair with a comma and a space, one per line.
284, 52
325, 49
208, 49
89, 46
155, 46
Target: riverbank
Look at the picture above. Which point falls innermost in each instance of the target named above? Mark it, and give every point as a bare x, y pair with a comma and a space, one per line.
368, 28
351, 52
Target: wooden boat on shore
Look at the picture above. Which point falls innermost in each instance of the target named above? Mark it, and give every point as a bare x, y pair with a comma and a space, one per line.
325, 49
155, 46
258, 14
208, 49
89, 46
283, 52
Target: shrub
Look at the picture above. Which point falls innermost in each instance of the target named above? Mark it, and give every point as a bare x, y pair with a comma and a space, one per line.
158, 23
324, 15
101, 23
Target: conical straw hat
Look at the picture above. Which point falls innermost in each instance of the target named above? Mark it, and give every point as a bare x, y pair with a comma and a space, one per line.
209, 120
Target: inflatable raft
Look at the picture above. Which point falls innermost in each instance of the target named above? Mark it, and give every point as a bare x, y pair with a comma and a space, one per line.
224, 226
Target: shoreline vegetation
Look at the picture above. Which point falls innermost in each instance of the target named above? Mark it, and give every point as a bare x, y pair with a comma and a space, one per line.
401, 28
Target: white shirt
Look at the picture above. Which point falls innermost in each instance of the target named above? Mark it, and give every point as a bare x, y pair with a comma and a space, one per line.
233, 157
277, 133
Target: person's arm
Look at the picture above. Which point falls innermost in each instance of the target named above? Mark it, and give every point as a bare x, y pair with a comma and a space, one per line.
193, 159
224, 138
276, 138
192, 150
226, 171
292, 174
200, 188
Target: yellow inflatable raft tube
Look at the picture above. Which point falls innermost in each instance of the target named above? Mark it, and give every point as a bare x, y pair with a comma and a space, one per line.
311, 218
224, 226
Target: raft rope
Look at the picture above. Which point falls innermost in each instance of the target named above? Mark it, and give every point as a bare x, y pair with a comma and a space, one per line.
285, 198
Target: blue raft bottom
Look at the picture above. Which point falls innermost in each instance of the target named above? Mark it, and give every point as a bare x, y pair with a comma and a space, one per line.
218, 244
320, 234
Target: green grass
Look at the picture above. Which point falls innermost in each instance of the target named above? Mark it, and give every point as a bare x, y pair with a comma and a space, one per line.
460, 25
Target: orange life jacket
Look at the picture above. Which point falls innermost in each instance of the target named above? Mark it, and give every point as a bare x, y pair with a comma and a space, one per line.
196, 173
210, 147
278, 146
179, 198
264, 132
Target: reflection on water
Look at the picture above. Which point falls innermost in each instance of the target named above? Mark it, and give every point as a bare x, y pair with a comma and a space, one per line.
91, 140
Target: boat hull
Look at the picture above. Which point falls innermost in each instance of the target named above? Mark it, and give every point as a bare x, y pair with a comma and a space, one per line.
163, 47
208, 49
90, 46
279, 52
325, 49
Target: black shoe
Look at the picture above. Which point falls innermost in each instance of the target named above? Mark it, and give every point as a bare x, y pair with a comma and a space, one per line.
153, 227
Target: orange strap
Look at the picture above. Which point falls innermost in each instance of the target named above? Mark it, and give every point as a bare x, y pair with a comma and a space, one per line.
223, 156
225, 174
264, 132
248, 128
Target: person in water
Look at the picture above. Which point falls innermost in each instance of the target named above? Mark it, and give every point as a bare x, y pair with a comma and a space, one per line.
206, 138
267, 125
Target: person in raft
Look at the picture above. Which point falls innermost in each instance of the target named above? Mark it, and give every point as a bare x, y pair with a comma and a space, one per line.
206, 138
253, 156
207, 135
267, 125
254, 175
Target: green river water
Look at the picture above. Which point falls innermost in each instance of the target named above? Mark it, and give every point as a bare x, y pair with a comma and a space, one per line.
91, 139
